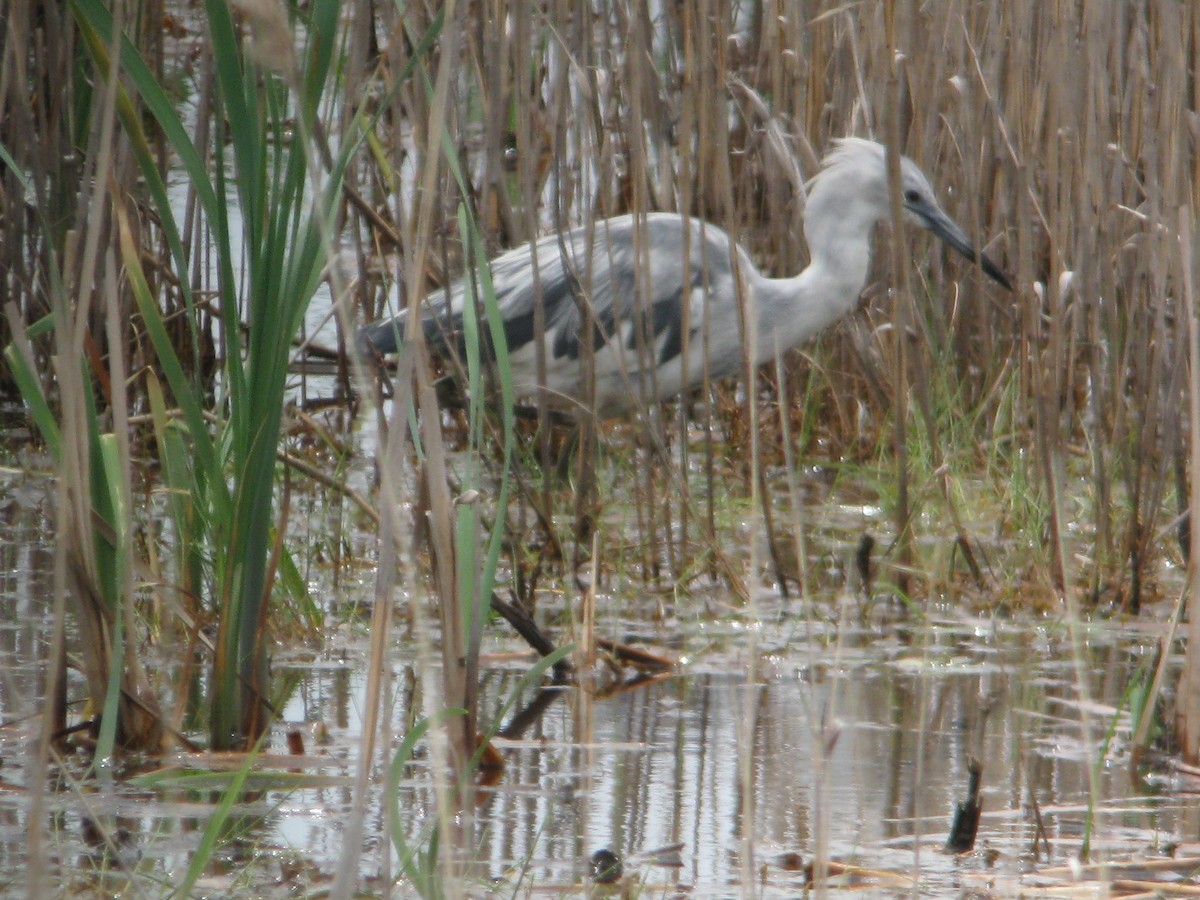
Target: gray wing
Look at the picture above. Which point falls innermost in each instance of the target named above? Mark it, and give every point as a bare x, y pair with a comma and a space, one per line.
635, 278
623, 284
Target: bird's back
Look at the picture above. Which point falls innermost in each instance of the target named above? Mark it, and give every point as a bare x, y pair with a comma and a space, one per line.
633, 285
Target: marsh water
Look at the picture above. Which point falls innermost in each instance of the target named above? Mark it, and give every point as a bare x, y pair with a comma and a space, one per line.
788, 730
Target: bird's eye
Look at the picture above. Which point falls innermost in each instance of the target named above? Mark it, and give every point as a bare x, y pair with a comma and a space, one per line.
911, 196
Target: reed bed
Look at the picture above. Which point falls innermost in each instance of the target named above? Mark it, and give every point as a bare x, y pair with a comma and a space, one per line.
1059, 135
1047, 437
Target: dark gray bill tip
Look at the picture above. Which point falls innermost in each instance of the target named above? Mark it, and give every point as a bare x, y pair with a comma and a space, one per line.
993, 271
949, 231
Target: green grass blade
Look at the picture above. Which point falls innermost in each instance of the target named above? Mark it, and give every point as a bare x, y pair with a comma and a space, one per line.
421, 879
215, 828
35, 399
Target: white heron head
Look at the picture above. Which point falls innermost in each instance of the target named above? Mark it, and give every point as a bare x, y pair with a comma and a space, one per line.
851, 191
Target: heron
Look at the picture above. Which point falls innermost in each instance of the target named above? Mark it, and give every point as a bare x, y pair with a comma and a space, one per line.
644, 288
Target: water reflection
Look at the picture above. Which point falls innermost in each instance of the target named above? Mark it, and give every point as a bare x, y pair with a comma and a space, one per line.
867, 760
850, 740
692, 759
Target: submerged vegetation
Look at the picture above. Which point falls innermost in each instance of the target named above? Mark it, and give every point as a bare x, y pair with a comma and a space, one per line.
178, 183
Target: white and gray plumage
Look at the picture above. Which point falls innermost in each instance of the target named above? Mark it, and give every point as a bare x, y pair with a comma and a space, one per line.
634, 279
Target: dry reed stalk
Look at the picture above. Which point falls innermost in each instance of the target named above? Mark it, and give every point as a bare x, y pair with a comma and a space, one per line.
1187, 715
894, 127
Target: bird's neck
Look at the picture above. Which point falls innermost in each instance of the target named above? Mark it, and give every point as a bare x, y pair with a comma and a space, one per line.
839, 247
792, 310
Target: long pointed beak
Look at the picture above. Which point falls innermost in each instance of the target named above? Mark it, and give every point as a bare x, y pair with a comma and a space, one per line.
947, 229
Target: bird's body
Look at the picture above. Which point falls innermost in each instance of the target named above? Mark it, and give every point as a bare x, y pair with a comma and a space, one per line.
641, 282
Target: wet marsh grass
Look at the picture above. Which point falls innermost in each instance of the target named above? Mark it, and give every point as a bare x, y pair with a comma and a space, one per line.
1061, 136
